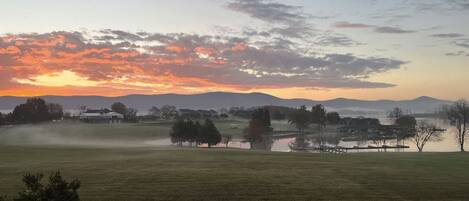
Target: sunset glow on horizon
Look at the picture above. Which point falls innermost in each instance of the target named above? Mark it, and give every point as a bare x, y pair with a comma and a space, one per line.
291, 49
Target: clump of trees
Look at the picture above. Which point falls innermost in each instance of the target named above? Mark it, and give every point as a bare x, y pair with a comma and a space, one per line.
259, 131
57, 189
168, 112
192, 131
130, 114
35, 110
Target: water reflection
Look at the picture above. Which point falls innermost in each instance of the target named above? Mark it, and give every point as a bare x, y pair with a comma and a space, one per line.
448, 144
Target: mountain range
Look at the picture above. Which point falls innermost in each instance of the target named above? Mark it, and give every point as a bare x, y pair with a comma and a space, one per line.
216, 100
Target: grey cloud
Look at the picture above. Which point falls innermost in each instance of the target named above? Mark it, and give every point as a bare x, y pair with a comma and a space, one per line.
392, 30
273, 63
345, 25
288, 21
462, 42
448, 35
268, 11
335, 40
458, 53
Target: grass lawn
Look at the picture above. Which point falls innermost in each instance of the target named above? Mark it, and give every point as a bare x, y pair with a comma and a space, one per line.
200, 174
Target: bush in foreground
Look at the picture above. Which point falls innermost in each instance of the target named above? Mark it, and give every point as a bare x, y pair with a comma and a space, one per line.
58, 189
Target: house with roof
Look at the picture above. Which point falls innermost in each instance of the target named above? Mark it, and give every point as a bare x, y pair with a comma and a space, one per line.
101, 116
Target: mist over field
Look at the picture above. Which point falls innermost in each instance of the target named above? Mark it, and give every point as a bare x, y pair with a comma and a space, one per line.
80, 135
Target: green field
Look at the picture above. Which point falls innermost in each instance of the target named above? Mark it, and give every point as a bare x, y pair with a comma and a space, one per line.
76, 133
167, 173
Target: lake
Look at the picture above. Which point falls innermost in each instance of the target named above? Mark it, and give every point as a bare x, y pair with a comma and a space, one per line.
448, 144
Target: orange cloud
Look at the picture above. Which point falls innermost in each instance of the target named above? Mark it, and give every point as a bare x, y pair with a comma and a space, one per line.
10, 50
238, 47
65, 63
174, 48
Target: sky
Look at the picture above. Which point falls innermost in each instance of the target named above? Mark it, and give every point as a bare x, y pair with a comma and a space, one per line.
315, 49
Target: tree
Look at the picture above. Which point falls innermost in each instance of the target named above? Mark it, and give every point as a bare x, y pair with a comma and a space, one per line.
333, 118
192, 131
406, 127
2, 119
426, 132
458, 116
155, 111
209, 133
300, 118
168, 112
224, 116
395, 113
177, 132
226, 140
131, 115
55, 111
318, 117
278, 115
259, 129
58, 189
34, 110
119, 107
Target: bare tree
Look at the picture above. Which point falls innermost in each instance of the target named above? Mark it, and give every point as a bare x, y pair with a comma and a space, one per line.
458, 116
426, 132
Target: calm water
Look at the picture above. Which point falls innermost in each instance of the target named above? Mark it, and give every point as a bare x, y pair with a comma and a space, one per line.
448, 144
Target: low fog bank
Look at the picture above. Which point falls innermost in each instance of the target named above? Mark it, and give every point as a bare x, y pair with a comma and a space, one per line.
81, 135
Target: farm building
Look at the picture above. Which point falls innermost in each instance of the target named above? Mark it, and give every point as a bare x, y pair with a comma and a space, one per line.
101, 116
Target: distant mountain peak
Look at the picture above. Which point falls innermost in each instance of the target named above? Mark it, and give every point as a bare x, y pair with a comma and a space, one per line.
426, 98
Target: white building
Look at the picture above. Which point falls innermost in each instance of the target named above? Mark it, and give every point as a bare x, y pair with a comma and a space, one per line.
101, 116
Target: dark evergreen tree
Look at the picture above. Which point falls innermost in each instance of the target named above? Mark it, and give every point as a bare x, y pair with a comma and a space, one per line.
209, 133
259, 129
301, 118
406, 127
178, 131
318, 115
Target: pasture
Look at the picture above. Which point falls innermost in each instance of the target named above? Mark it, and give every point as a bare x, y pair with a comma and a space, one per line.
167, 173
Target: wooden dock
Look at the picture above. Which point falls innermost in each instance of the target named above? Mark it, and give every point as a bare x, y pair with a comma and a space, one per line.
340, 149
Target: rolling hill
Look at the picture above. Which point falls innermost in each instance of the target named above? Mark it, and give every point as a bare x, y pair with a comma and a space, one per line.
214, 100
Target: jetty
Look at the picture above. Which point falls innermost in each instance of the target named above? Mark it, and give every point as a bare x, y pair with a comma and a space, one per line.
341, 149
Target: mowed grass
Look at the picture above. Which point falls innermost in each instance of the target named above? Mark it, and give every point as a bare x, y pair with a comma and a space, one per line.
219, 174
